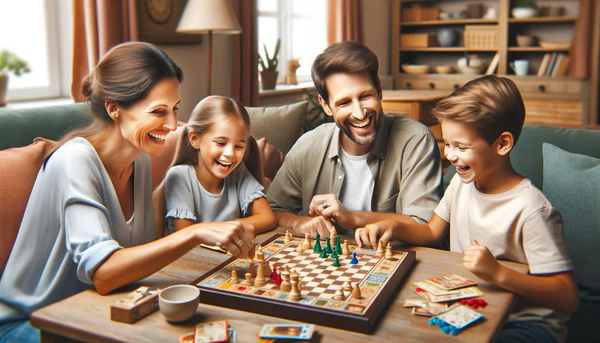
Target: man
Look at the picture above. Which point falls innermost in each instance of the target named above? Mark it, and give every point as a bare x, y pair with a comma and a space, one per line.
366, 167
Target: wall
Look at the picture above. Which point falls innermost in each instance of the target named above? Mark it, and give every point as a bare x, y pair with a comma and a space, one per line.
377, 35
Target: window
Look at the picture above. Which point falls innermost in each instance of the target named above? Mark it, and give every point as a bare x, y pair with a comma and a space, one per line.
40, 25
301, 26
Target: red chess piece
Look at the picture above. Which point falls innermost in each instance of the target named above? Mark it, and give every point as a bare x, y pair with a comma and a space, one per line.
274, 275
278, 280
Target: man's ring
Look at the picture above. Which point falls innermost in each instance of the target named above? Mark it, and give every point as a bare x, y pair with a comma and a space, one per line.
240, 243
325, 205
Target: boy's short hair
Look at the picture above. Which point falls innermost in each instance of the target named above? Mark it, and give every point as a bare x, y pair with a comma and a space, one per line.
490, 104
344, 57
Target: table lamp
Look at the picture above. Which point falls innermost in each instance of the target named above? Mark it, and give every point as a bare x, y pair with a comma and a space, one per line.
208, 16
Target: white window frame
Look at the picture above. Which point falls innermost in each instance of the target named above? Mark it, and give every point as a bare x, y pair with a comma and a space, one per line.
58, 35
283, 17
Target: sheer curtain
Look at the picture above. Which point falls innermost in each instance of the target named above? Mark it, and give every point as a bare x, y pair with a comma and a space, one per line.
344, 21
98, 25
244, 74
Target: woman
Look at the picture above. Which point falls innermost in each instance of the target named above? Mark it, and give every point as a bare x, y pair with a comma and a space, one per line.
89, 219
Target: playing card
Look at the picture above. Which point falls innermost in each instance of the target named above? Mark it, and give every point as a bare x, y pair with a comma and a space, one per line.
450, 281
468, 292
187, 338
460, 316
287, 331
433, 289
212, 332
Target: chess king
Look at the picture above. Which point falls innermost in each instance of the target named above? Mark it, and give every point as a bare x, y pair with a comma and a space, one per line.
359, 175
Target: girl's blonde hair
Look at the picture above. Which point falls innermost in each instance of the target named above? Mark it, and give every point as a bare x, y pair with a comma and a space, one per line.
206, 113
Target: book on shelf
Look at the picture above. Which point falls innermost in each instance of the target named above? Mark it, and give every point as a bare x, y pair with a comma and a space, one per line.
559, 61
563, 68
493, 65
552, 63
544, 65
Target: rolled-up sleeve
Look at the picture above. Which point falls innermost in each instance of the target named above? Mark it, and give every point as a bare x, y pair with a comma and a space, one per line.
179, 196
285, 193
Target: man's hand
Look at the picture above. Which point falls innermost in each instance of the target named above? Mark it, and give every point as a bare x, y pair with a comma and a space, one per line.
314, 225
330, 207
479, 260
373, 233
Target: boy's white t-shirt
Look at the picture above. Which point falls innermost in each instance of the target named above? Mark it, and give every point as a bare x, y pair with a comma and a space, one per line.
357, 189
519, 225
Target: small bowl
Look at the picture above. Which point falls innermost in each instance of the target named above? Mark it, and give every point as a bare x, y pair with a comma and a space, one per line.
524, 41
415, 68
524, 12
179, 303
444, 69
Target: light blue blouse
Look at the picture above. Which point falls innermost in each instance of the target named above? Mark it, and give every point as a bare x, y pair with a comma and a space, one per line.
73, 222
185, 197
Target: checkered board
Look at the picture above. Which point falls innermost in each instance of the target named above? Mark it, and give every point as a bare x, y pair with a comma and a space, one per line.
378, 278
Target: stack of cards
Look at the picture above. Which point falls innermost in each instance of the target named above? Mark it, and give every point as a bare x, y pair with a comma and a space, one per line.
212, 332
282, 332
455, 319
447, 288
425, 308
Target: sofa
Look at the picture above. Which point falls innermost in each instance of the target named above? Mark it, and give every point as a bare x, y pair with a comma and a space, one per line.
567, 171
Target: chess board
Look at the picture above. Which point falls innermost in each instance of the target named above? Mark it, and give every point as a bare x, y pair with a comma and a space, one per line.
378, 278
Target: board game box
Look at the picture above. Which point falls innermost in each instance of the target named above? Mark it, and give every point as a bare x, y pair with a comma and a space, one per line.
322, 284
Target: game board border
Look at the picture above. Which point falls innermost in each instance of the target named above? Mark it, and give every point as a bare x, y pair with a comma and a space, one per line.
363, 323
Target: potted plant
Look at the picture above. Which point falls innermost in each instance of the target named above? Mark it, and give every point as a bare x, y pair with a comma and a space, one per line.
9, 63
524, 9
269, 71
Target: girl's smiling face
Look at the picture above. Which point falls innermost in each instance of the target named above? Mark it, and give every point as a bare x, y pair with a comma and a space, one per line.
220, 150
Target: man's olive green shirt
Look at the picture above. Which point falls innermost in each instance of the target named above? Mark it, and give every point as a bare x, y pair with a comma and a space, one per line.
404, 160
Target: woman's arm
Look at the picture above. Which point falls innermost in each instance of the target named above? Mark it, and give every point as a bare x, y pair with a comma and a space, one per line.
262, 216
128, 265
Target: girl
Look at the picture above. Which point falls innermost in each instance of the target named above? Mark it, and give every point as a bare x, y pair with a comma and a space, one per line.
208, 182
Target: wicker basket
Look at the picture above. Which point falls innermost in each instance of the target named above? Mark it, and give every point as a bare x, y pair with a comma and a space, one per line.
481, 37
417, 13
417, 40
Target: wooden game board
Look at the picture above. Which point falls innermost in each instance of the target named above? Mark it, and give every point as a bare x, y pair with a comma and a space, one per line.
378, 278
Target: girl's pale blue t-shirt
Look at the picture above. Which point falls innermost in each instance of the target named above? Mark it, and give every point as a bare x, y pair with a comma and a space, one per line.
73, 222
186, 199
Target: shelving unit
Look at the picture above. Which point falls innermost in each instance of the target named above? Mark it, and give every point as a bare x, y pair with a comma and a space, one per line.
548, 100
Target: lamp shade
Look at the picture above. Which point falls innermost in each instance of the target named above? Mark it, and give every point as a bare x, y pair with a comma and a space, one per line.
202, 16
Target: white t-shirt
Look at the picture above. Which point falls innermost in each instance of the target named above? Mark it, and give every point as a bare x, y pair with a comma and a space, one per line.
357, 189
519, 225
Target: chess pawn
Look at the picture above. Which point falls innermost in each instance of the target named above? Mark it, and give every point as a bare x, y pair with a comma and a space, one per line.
328, 249
287, 239
267, 268
252, 269
388, 251
345, 249
306, 244
380, 251
294, 293
248, 280
285, 283
339, 295
299, 249
234, 277
260, 276
356, 292
317, 247
347, 286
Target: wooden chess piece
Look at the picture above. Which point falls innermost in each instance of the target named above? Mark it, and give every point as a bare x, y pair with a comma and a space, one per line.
300, 249
317, 247
380, 251
356, 292
287, 239
332, 235
234, 277
294, 293
285, 282
388, 251
339, 295
248, 280
267, 268
252, 269
347, 286
307, 244
260, 275
345, 249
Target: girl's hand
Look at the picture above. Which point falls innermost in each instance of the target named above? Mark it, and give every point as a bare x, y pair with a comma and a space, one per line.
232, 236
330, 207
315, 225
371, 234
479, 260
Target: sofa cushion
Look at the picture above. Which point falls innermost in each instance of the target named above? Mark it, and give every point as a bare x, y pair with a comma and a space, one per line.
18, 171
281, 125
572, 184
20, 126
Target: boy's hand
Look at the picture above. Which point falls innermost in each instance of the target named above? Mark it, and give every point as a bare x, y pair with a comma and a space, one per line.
479, 260
372, 233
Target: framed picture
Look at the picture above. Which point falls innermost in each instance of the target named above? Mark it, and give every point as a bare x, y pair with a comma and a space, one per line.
157, 22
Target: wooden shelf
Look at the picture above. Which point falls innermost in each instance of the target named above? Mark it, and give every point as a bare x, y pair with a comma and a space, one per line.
542, 20
452, 49
534, 49
449, 22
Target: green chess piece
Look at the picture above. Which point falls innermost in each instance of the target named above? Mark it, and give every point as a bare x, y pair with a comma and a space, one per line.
336, 263
323, 254
338, 245
334, 254
328, 246
317, 248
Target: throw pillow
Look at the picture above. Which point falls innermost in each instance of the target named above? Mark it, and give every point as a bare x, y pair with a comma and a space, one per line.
571, 183
282, 125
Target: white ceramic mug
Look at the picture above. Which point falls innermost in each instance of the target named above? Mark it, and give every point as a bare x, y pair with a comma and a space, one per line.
520, 67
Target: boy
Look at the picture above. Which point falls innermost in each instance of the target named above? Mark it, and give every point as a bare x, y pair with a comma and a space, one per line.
495, 213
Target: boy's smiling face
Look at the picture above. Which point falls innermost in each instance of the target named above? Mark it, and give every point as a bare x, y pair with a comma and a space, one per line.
475, 160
